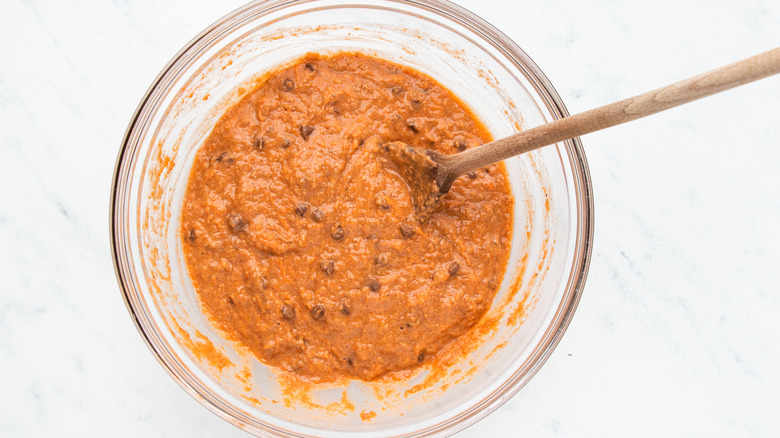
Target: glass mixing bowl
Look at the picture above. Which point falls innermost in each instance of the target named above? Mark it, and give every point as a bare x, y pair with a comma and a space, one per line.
552, 237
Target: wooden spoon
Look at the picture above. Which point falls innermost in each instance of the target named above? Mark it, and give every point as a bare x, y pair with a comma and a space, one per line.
430, 174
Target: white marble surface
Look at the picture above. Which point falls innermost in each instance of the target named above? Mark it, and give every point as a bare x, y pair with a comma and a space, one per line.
677, 332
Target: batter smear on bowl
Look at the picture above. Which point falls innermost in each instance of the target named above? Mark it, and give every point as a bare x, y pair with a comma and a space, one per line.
298, 232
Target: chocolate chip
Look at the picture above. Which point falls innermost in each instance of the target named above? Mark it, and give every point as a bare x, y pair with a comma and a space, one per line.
413, 124
318, 312
336, 231
309, 66
191, 235
301, 208
222, 157
397, 90
382, 201
317, 215
236, 222
454, 268
328, 266
288, 312
345, 306
373, 284
421, 357
460, 143
472, 174
381, 260
406, 230
288, 85
350, 362
286, 143
259, 143
306, 131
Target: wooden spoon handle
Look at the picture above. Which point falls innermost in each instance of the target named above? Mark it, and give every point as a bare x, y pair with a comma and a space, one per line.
715, 81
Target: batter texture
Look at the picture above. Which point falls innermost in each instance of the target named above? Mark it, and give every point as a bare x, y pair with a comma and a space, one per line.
298, 232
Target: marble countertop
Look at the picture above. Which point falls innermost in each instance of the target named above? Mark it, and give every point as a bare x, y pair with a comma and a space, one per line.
677, 331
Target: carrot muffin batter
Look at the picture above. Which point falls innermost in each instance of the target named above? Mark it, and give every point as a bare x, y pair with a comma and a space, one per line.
298, 232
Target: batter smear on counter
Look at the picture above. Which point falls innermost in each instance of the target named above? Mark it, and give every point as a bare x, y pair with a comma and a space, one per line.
299, 236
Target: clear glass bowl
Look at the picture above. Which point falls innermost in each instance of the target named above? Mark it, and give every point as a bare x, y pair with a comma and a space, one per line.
552, 237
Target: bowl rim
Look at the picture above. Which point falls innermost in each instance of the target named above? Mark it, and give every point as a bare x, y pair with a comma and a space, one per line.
582, 246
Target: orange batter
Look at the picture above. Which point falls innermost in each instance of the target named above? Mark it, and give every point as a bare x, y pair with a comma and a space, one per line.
298, 232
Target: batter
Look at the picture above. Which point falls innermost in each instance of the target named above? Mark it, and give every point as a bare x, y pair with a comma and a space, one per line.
299, 235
